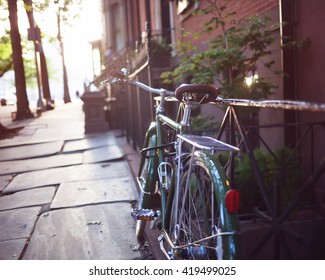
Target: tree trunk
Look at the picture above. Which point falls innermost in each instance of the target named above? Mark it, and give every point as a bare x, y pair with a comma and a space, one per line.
66, 94
44, 73
23, 110
8, 132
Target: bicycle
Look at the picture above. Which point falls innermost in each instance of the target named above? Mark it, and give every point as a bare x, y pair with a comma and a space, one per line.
197, 209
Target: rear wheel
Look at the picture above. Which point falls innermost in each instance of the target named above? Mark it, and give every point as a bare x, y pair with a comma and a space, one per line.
195, 214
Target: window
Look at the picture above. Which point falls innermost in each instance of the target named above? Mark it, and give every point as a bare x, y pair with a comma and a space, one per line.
116, 28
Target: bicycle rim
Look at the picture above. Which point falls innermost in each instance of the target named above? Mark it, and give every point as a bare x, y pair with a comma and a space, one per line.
196, 216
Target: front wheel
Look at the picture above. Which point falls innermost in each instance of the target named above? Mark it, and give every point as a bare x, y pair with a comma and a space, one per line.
199, 214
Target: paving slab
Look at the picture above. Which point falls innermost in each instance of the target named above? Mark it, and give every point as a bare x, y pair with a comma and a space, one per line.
18, 223
103, 154
4, 181
65, 122
18, 166
91, 232
67, 174
89, 143
93, 192
24, 134
27, 198
64, 133
11, 249
31, 151
21, 141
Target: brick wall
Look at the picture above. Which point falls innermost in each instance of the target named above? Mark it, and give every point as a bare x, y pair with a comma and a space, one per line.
243, 9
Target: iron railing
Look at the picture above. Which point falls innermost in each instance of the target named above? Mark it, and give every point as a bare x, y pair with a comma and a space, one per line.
272, 210
133, 112
269, 206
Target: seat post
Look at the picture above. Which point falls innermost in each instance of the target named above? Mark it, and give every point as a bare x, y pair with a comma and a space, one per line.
185, 122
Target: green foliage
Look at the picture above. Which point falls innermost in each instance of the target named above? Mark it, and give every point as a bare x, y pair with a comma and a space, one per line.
230, 56
29, 63
6, 63
277, 172
5, 43
69, 8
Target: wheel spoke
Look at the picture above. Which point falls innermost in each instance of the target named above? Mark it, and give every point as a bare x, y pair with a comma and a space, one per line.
196, 216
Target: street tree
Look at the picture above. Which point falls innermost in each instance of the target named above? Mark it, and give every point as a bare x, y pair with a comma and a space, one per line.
23, 110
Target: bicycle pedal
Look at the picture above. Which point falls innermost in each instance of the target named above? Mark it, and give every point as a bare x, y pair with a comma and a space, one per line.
145, 214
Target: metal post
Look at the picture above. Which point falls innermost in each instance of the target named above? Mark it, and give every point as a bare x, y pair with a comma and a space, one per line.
33, 35
40, 104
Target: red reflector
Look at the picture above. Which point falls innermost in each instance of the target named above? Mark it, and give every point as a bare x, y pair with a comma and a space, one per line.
232, 201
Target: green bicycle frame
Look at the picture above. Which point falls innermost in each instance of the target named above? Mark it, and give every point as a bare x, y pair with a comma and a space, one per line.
150, 178
155, 138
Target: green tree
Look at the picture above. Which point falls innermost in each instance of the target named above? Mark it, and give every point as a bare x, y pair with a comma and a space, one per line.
6, 62
230, 56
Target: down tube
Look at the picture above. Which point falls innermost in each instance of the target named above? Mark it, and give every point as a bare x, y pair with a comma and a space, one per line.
160, 141
231, 243
151, 168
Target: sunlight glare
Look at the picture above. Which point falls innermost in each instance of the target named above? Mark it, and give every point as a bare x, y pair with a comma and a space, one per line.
76, 41
76, 36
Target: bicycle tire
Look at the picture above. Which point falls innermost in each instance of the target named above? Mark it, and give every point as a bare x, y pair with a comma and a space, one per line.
200, 213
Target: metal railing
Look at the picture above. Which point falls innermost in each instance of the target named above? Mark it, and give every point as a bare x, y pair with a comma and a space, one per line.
269, 206
271, 211
134, 112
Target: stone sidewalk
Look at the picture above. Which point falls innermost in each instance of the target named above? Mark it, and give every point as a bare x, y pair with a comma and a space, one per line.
63, 194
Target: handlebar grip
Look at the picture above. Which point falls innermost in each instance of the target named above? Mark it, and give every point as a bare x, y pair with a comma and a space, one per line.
119, 75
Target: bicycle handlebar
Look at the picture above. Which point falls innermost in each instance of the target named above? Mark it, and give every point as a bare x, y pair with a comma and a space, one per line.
275, 104
125, 78
118, 75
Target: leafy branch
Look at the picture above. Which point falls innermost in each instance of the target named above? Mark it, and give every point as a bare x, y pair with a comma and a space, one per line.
231, 55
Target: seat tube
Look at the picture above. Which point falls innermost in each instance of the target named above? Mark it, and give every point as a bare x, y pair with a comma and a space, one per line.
177, 179
160, 141
185, 122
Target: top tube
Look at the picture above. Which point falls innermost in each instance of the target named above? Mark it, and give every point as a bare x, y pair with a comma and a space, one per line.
275, 104
151, 89
122, 77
